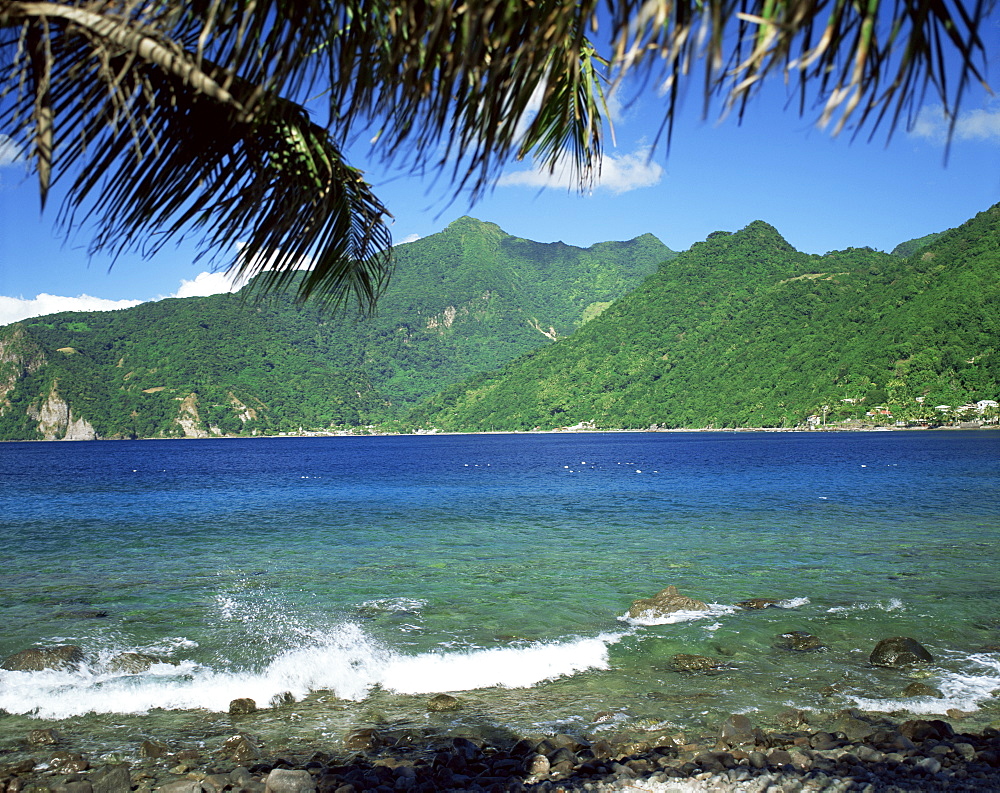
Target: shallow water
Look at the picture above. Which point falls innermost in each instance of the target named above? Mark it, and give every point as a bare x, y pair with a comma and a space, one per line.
363, 575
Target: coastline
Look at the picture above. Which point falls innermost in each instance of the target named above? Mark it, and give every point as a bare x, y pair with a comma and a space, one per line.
557, 431
864, 756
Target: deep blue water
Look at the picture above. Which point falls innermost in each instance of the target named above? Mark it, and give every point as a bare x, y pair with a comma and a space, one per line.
383, 568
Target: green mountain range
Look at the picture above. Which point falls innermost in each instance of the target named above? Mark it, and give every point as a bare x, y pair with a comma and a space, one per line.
466, 300
480, 330
742, 330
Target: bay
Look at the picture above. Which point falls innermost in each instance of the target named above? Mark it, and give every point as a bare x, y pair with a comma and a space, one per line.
365, 574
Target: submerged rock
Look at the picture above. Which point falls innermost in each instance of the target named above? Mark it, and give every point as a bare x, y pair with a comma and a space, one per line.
132, 663
800, 642
82, 614
899, 651
918, 689
364, 739
241, 749
43, 737
755, 604
739, 729
695, 663
282, 699
36, 659
664, 602
443, 702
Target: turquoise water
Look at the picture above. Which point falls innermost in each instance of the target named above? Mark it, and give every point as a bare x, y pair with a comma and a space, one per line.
363, 575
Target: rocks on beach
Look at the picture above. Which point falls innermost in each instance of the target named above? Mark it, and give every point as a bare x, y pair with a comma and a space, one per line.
914, 755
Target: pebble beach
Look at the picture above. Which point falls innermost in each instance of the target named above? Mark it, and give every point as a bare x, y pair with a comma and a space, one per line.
914, 755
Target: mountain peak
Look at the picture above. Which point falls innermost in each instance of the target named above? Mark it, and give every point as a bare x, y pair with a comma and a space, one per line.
469, 223
764, 234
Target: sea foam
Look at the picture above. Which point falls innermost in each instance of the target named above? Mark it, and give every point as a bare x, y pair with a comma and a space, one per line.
347, 662
963, 690
650, 618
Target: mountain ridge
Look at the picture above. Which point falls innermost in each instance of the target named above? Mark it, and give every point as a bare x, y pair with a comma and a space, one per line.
225, 364
742, 330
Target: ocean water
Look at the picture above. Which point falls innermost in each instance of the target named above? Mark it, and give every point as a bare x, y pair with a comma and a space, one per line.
364, 575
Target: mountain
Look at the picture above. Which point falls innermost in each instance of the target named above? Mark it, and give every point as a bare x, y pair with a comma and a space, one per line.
742, 330
468, 299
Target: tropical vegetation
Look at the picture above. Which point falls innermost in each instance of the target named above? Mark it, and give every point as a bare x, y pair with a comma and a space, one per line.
466, 300
743, 331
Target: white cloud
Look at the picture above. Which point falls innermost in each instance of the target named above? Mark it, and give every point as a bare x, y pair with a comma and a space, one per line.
981, 124
13, 309
409, 238
205, 284
9, 154
617, 174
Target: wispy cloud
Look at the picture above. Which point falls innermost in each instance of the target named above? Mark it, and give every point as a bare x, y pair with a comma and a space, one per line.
409, 238
618, 174
9, 153
981, 124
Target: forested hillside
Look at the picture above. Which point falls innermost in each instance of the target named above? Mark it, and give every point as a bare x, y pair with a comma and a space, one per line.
466, 300
742, 330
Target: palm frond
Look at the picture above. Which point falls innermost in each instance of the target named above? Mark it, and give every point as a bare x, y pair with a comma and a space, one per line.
169, 117
161, 142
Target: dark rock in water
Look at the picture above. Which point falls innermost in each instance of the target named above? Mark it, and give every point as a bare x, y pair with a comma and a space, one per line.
153, 749
899, 651
664, 602
241, 749
45, 737
82, 614
112, 779
739, 729
851, 726
695, 663
36, 659
755, 604
132, 663
242, 706
443, 702
918, 689
792, 718
282, 699
800, 642
364, 739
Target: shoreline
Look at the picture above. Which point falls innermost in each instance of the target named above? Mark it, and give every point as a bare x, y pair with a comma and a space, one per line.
561, 431
872, 755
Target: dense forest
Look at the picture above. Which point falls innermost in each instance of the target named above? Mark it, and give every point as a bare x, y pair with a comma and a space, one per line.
743, 331
463, 301
484, 331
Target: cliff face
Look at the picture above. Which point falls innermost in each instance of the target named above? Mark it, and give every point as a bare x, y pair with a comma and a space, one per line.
56, 422
19, 357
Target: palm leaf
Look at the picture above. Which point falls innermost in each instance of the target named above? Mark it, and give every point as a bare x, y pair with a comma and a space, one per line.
170, 117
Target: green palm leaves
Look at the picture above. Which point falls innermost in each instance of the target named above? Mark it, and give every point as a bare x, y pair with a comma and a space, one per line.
169, 118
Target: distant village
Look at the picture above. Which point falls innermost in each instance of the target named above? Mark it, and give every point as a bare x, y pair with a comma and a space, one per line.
972, 415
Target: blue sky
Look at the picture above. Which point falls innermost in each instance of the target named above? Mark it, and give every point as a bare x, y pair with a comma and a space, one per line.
821, 192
